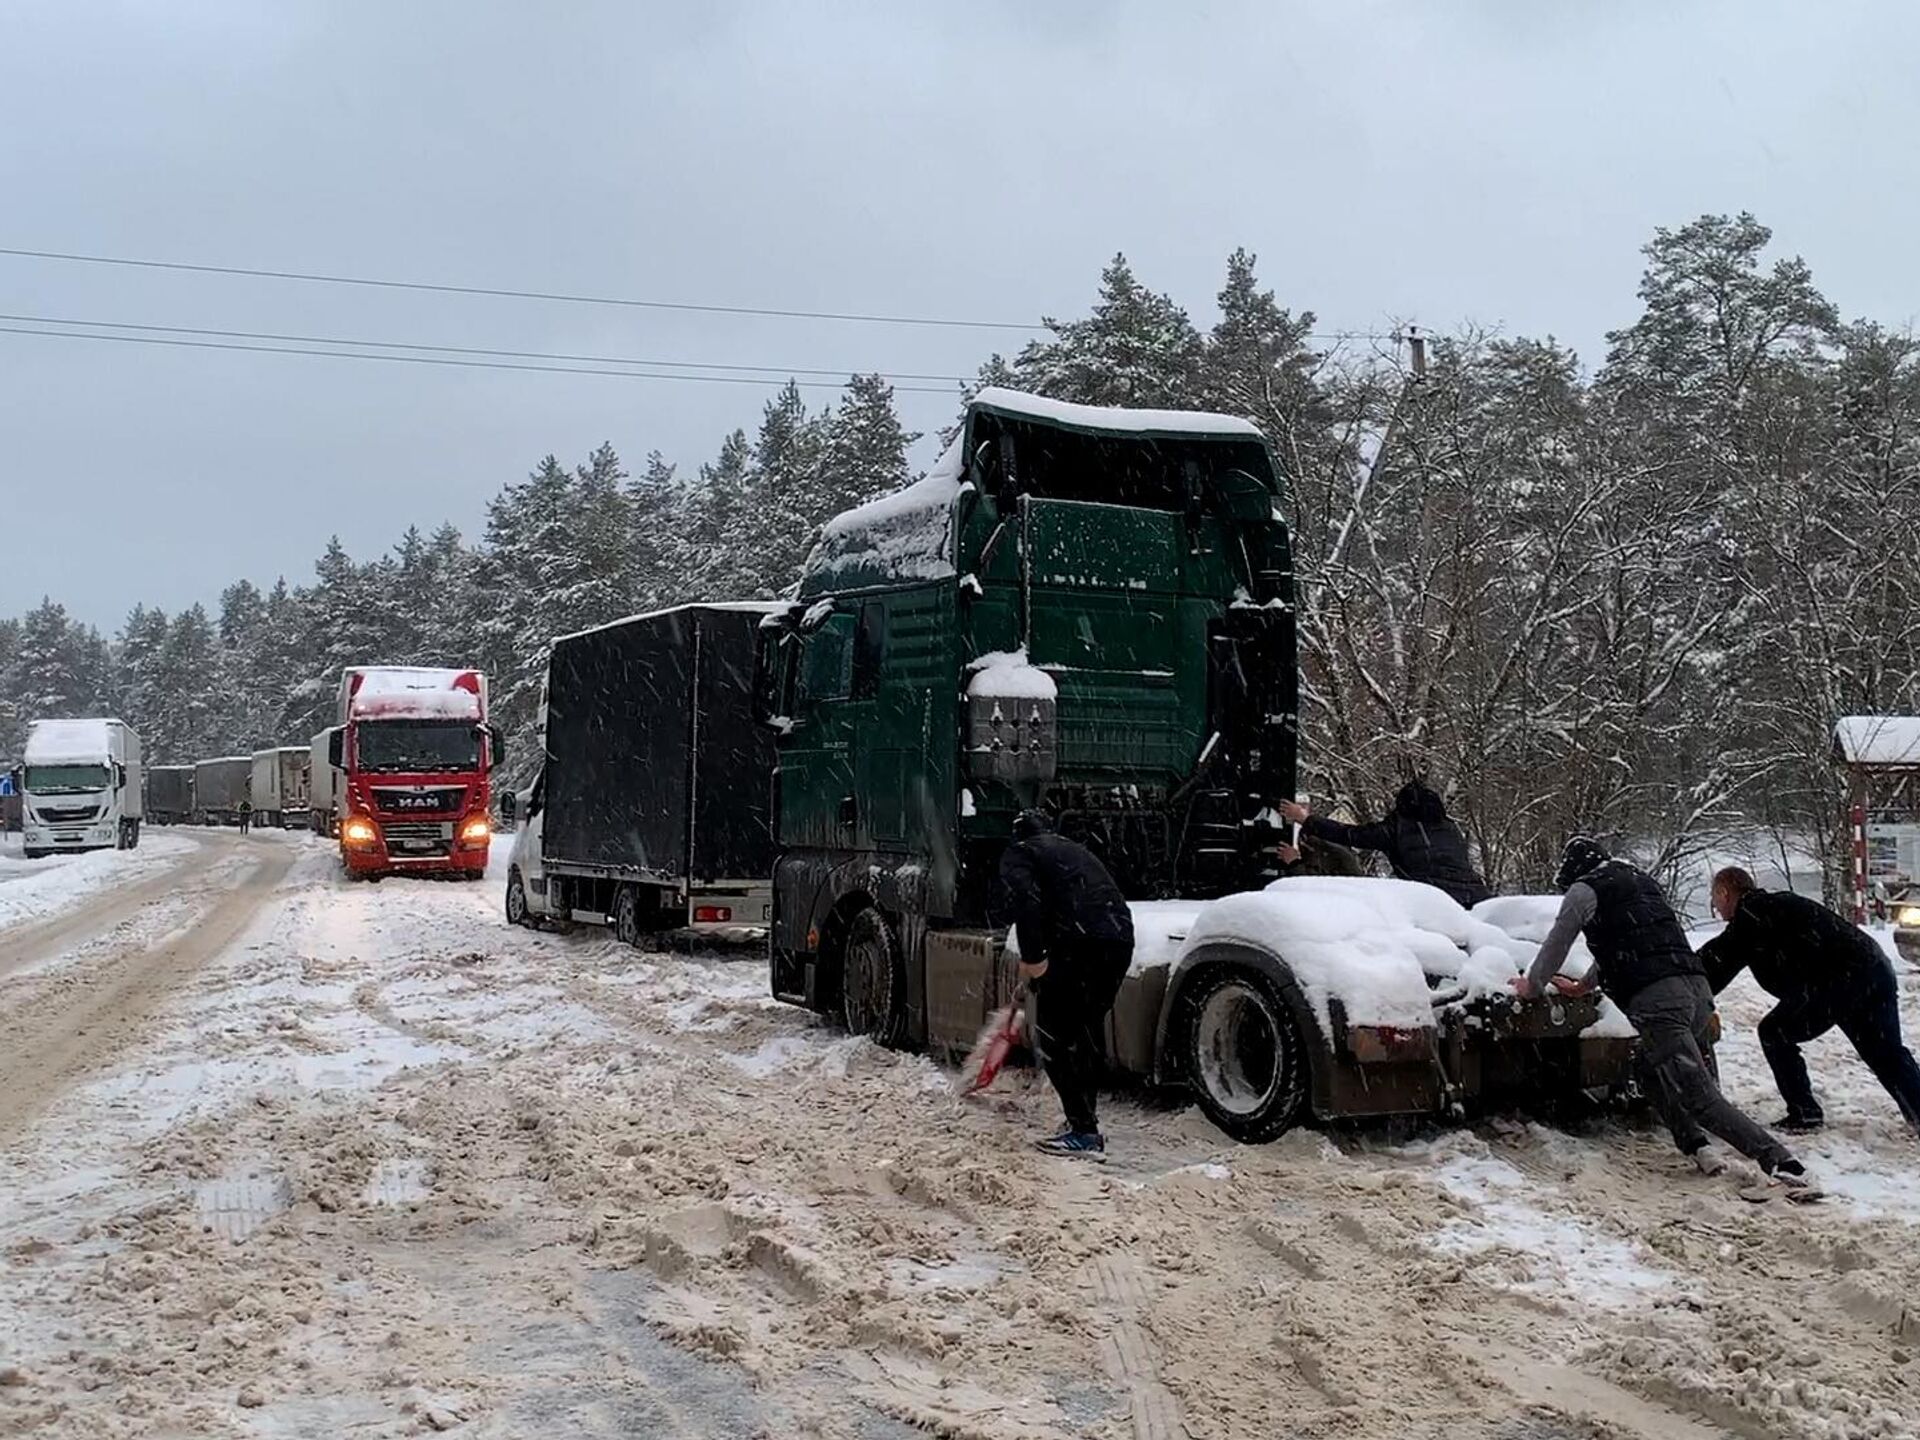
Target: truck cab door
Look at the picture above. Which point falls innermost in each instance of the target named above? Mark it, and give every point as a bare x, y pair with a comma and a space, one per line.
527, 856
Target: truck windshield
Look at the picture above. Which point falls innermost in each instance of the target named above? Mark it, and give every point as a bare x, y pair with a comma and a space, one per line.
418, 745
65, 779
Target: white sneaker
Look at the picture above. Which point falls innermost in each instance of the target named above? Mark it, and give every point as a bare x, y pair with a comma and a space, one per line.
1709, 1161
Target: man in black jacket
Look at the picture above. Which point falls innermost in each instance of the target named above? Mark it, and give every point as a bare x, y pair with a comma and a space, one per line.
1824, 972
1419, 840
1643, 962
1076, 944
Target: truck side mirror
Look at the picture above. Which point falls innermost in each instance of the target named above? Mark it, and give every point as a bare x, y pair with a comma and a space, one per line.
336, 744
509, 807
496, 745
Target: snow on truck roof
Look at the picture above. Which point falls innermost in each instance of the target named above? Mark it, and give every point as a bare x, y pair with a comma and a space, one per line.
747, 607
908, 535
1878, 740
49, 742
414, 693
1112, 419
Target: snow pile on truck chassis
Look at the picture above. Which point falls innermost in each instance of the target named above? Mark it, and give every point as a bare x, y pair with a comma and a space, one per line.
1374, 944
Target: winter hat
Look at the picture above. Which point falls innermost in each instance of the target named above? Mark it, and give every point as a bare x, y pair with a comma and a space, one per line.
1582, 856
1419, 801
1029, 823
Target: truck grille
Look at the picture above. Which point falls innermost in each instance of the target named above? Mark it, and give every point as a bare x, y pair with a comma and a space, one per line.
394, 801
69, 815
420, 838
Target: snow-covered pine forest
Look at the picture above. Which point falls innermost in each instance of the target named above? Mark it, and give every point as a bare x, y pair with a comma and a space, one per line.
1626, 598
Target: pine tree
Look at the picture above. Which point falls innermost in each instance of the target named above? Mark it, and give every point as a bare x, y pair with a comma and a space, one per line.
656, 507
193, 722
1136, 348
139, 700
865, 449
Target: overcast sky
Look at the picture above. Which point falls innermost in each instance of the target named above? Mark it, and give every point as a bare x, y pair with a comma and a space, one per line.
1500, 163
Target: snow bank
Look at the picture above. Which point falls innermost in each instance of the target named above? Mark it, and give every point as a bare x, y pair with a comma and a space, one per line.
1111, 418
55, 742
1878, 739
1006, 675
908, 534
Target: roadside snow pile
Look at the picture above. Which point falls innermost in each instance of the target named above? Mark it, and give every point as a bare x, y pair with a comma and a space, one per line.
908, 534
1373, 944
1006, 675
34, 890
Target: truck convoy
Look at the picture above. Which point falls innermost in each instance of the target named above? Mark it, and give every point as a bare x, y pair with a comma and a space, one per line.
411, 754
1092, 610
169, 794
81, 787
323, 785
653, 809
220, 787
279, 786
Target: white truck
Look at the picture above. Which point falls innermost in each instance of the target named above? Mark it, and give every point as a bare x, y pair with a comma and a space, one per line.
80, 786
279, 788
324, 785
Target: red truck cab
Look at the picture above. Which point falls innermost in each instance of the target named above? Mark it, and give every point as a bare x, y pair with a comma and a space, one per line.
414, 754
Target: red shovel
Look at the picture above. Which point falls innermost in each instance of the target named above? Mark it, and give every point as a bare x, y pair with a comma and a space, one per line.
1005, 1029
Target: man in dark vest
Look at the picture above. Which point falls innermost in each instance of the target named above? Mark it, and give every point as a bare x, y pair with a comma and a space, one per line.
1643, 962
1419, 839
1076, 944
1824, 972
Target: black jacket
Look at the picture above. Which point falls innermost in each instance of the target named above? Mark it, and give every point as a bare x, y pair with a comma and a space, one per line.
1419, 841
1635, 937
1794, 946
1055, 892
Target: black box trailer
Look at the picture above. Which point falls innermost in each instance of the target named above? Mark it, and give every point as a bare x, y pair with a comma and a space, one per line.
169, 794
654, 807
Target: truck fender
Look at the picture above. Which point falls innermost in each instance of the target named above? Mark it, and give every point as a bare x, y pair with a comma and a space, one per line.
1169, 1063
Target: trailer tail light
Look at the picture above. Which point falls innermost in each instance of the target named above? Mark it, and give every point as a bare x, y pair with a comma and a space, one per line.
712, 914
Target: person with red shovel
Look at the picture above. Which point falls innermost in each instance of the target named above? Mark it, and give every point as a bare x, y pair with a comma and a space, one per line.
1076, 944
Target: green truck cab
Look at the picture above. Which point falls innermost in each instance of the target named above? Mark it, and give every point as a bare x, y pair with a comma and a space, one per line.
1086, 607
1092, 610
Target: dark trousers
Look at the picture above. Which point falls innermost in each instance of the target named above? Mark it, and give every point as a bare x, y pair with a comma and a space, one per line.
1866, 1007
1071, 1002
246, 821
1674, 1018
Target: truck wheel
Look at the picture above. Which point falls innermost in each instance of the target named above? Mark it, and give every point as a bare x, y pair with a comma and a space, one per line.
517, 912
872, 983
1245, 1057
626, 916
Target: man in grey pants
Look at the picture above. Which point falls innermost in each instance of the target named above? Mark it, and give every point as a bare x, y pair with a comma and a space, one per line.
1644, 963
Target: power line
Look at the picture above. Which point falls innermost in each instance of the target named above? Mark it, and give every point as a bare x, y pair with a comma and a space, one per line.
447, 361
503, 293
773, 371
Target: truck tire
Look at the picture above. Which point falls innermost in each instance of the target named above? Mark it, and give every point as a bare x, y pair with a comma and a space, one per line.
29, 853
517, 911
872, 980
626, 916
1246, 1059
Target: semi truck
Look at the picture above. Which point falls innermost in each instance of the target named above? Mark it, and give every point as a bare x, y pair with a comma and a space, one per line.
81, 787
279, 786
169, 794
412, 754
220, 786
1092, 611
323, 785
652, 810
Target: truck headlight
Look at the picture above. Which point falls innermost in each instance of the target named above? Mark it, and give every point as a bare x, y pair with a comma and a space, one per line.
476, 831
358, 830
1907, 917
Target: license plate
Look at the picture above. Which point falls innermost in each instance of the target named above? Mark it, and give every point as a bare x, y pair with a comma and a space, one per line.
416, 844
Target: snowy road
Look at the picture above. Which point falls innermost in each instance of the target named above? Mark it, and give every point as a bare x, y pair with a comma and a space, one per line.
300, 1158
